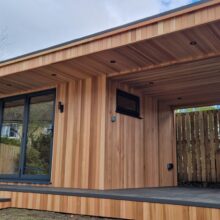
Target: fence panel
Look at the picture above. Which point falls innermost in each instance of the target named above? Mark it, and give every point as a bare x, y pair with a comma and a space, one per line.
198, 147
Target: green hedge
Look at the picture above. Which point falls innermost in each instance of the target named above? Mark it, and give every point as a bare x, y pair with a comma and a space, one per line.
10, 141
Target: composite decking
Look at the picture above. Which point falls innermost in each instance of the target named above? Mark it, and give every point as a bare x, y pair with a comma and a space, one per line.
185, 196
143, 204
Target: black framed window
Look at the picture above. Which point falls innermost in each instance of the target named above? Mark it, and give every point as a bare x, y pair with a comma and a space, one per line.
127, 103
26, 136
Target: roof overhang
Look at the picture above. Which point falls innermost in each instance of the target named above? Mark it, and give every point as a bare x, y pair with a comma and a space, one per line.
179, 20
141, 50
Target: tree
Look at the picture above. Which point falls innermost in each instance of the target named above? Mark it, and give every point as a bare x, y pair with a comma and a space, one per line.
198, 109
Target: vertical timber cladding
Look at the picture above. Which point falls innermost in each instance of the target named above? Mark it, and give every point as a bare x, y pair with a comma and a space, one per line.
159, 145
78, 152
151, 145
92, 152
124, 155
137, 151
167, 145
198, 150
108, 207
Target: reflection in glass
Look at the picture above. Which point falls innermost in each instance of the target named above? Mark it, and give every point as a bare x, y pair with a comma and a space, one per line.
39, 135
11, 136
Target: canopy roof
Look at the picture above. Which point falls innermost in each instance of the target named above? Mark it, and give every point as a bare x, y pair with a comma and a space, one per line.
178, 52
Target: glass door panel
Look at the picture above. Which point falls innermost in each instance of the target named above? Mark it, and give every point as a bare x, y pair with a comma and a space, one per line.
11, 136
39, 135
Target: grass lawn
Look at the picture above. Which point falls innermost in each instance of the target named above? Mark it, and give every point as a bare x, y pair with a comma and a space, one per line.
24, 214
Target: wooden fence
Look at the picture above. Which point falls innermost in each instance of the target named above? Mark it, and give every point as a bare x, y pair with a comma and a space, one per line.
198, 147
8, 158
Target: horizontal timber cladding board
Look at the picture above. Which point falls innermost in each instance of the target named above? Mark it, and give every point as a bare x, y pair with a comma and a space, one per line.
110, 208
194, 82
160, 60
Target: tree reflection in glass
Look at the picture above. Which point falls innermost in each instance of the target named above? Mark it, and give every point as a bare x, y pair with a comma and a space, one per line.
11, 136
39, 135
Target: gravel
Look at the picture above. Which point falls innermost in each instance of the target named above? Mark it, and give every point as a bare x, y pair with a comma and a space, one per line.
24, 214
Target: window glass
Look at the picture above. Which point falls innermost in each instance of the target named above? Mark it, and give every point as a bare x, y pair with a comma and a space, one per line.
127, 103
39, 135
26, 135
11, 136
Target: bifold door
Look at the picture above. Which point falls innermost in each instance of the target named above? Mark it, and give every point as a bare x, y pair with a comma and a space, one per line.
26, 136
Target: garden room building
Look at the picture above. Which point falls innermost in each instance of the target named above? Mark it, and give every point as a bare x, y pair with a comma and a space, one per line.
96, 126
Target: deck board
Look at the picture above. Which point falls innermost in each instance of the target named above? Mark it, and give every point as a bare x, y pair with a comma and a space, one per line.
185, 196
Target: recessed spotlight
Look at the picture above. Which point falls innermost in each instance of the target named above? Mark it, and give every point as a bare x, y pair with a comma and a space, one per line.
193, 43
112, 61
53, 74
179, 98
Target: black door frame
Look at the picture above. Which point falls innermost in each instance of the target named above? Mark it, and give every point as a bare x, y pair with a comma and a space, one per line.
21, 177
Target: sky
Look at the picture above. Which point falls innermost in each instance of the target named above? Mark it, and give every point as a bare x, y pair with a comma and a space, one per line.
30, 25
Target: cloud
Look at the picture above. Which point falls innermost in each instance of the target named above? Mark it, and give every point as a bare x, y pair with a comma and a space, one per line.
37, 24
